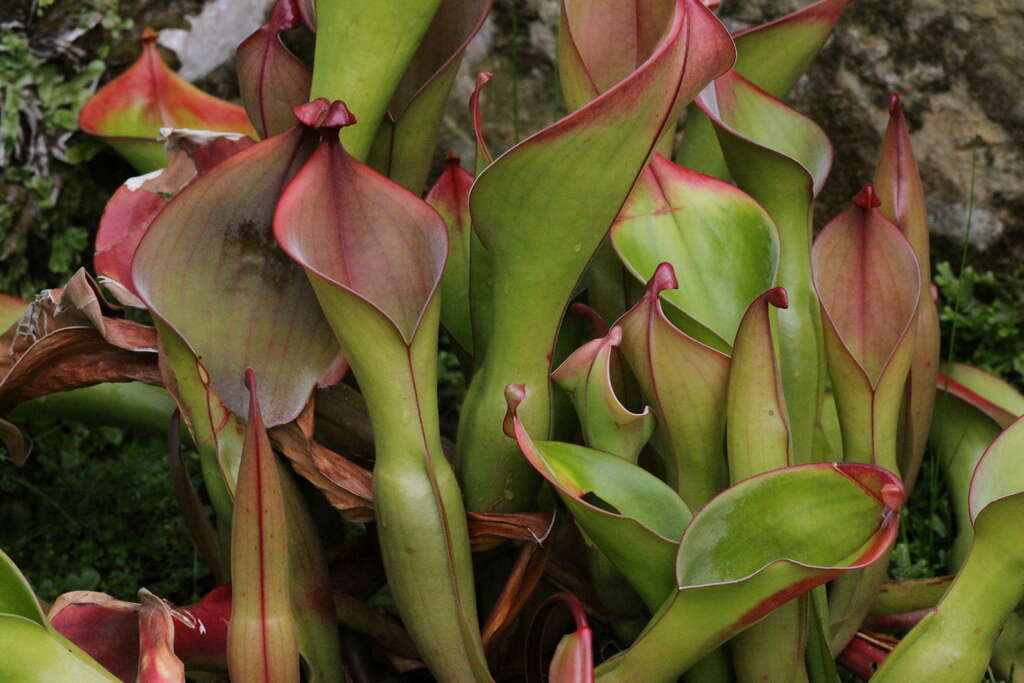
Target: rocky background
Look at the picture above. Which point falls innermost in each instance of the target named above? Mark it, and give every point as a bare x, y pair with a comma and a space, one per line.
958, 66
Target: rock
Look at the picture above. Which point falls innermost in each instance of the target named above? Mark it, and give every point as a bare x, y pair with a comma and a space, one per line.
213, 35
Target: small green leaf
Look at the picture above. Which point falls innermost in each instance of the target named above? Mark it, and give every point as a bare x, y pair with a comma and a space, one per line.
607, 424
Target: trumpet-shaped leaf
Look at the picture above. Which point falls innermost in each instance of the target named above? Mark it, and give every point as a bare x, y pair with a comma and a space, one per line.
757, 426
374, 253
632, 516
262, 642
775, 54
725, 243
753, 548
607, 424
368, 52
685, 383
781, 159
757, 439
867, 279
134, 205
209, 269
450, 197
899, 189
539, 243
129, 111
772, 56
272, 79
404, 148
600, 44
955, 642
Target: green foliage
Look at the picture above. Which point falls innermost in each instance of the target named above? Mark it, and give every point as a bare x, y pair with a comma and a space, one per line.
985, 310
45, 210
93, 510
927, 528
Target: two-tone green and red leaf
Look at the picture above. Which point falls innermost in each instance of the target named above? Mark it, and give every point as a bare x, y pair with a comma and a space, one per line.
684, 382
781, 159
374, 253
600, 45
775, 54
209, 269
633, 517
987, 392
404, 148
757, 427
899, 188
772, 56
867, 279
135, 204
262, 641
129, 111
450, 198
272, 79
757, 441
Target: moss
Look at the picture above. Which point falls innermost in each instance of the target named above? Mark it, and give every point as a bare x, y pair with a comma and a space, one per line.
93, 510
